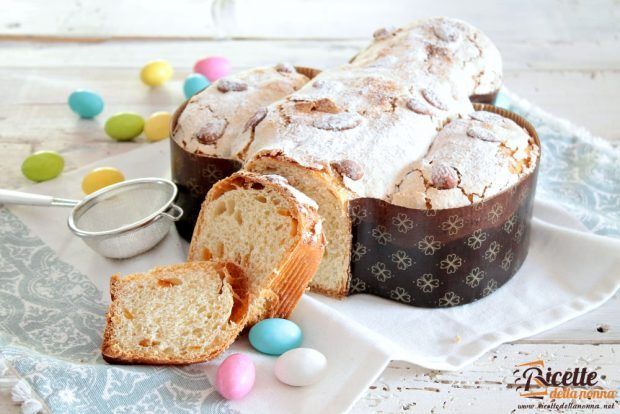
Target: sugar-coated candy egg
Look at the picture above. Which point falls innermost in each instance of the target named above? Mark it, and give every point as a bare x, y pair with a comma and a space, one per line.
235, 377
194, 83
213, 67
156, 72
124, 126
157, 126
101, 177
85, 103
43, 166
300, 367
275, 336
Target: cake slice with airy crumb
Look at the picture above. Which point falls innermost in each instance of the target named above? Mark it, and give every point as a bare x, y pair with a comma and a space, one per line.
176, 314
271, 230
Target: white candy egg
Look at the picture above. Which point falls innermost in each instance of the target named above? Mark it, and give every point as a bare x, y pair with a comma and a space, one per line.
300, 367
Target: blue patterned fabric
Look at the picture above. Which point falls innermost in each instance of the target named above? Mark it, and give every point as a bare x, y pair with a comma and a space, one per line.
51, 320
577, 171
52, 316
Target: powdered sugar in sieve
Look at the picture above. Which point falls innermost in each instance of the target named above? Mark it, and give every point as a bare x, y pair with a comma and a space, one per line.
125, 206
118, 221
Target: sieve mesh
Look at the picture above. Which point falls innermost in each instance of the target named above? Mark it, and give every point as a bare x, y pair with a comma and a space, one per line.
122, 206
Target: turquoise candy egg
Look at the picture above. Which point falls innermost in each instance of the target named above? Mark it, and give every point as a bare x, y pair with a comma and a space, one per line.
86, 104
193, 84
275, 336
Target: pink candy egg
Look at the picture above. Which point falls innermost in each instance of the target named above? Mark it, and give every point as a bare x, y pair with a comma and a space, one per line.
235, 377
213, 67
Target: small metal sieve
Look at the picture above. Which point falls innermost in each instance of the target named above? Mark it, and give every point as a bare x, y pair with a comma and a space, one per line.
118, 221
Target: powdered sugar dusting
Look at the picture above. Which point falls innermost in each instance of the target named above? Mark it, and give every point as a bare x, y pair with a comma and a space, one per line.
446, 31
222, 116
337, 122
450, 48
485, 167
375, 121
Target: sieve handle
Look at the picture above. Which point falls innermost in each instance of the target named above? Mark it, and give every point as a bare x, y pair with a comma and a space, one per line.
174, 213
19, 197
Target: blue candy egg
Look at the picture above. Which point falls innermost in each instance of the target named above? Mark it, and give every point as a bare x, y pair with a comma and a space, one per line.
86, 104
193, 84
275, 336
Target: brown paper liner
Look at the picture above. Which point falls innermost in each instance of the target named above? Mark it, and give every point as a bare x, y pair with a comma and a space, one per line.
423, 258
195, 174
488, 98
441, 258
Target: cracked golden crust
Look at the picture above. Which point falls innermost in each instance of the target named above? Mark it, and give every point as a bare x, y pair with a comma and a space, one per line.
484, 167
212, 120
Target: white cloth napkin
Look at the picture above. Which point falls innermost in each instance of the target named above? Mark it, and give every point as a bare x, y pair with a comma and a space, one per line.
568, 272
354, 357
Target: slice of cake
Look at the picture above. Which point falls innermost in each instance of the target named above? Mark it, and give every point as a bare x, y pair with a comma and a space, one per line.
176, 314
269, 229
332, 277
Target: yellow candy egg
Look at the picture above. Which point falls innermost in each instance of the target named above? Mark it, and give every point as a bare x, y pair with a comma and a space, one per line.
156, 72
157, 126
101, 177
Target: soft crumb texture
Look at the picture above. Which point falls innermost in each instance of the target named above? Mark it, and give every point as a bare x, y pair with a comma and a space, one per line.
488, 153
215, 117
331, 199
269, 229
175, 314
